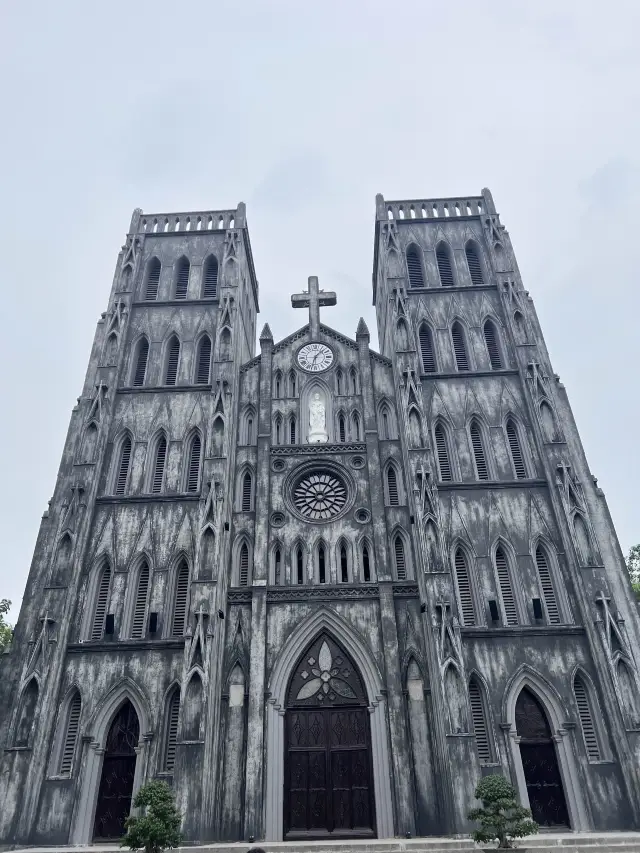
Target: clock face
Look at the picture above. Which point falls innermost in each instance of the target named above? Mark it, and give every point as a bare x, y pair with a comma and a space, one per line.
315, 357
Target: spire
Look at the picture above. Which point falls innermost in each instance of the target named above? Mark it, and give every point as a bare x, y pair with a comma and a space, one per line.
265, 334
362, 331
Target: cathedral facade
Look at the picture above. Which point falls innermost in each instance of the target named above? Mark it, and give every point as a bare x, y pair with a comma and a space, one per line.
321, 590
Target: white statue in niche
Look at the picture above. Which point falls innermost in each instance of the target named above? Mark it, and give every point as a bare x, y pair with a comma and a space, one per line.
317, 420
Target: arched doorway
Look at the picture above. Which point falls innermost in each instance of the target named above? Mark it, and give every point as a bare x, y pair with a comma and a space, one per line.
118, 771
540, 762
328, 785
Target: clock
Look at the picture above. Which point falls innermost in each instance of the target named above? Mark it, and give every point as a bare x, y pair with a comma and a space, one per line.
315, 357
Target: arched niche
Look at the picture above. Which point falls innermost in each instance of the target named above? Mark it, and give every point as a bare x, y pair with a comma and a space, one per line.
312, 387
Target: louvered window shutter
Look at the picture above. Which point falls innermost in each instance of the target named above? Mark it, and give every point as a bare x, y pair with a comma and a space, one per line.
158, 469
478, 452
426, 349
172, 731
182, 279
180, 601
244, 565
444, 266
153, 279
211, 279
464, 589
123, 466
491, 340
102, 601
292, 431
204, 361
586, 720
173, 356
344, 565
546, 583
459, 347
516, 451
414, 267
506, 588
479, 720
366, 568
443, 454
401, 566
71, 736
473, 262
392, 485
341, 429
140, 607
141, 363
246, 493
193, 477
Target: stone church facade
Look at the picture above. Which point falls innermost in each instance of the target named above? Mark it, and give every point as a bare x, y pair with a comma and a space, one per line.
321, 590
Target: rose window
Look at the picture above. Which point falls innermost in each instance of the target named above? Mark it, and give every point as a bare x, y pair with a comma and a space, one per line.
320, 496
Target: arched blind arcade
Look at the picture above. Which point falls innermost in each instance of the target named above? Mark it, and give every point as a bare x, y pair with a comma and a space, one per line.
473, 262
414, 267
426, 349
443, 258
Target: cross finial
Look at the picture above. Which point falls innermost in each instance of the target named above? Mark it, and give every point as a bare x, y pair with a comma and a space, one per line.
313, 298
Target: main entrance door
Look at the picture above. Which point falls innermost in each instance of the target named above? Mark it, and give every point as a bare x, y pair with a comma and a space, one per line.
118, 770
328, 782
540, 762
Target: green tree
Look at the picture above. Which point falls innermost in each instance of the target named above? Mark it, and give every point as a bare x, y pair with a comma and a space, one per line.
633, 567
501, 815
158, 827
6, 630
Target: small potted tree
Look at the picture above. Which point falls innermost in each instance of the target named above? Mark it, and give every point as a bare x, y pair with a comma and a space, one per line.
501, 816
158, 826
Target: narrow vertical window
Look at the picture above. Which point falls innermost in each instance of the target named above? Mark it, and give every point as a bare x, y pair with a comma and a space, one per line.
173, 357
480, 459
473, 262
356, 426
193, 467
122, 470
292, 384
210, 285
366, 566
401, 565
26, 717
243, 574
322, 571
443, 258
426, 349
277, 567
140, 368
442, 452
344, 565
463, 582
278, 430
70, 735
153, 279
516, 451
140, 604
101, 603
182, 278
479, 721
292, 430
392, 486
203, 361
179, 616
586, 719
491, 340
546, 584
342, 433
158, 465
353, 375
414, 267
339, 382
506, 587
246, 492
173, 714
225, 345
299, 565
459, 347
278, 386
386, 433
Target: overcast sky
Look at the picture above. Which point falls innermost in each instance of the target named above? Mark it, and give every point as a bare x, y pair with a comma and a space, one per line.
305, 111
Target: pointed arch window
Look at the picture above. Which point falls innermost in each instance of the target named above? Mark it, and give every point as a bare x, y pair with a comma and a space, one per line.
210, 283
443, 259
122, 465
402, 335
101, 602
442, 452
392, 486
463, 584
277, 567
140, 363
26, 715
173, 357
322, 564
480, 721
546, 585
292, 430
203, 360
181, 593
89, 443
339, 382
153, 279
171, 736
299, 565
159, 465
482, 471
140, 604
193, 465
344, 563
493, 347
71, 728
247, 489
225, 344
506, 586
589, 732
182, 278
353, 377
400, 558
292, 383
414, 267
355, 422
278, 429
473, 262
277, 385
426, 349
366, 564
459, 346
111, 350
342, 432
243, 568
513, 439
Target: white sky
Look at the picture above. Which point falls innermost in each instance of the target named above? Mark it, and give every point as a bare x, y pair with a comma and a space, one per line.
305, 111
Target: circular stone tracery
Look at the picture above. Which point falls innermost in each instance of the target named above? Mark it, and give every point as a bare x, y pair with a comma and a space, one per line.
320, 496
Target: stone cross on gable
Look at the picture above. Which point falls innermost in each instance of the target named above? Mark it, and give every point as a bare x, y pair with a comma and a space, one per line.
313, 299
